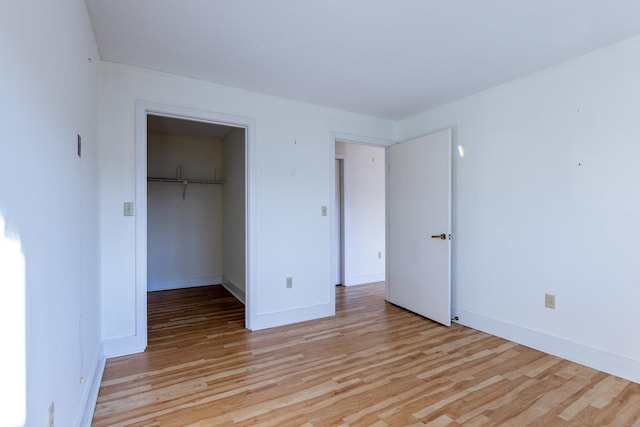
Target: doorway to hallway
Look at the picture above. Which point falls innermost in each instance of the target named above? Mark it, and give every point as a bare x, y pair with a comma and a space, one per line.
359, 221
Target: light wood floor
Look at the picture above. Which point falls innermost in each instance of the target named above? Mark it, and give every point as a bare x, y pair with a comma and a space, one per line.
373, 364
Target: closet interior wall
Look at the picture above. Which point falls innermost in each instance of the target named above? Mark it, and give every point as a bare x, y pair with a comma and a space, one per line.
184, 234
234, 213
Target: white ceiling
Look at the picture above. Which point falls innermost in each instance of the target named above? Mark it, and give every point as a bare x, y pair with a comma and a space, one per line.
385, 58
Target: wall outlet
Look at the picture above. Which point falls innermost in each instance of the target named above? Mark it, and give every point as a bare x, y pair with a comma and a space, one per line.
289, 282
323, 210
379, 255
550, 301
51, 413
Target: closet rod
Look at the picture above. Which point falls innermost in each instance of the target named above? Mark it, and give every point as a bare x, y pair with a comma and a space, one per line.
184, 181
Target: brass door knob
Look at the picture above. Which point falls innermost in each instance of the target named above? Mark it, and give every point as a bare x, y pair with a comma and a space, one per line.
440, 236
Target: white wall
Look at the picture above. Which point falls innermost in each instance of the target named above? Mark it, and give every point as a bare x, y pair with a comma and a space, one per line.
184, 236
364, 214
293, 169
545, 201
234, 213
49, 200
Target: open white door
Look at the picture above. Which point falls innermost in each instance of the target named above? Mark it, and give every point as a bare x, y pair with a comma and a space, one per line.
419, 213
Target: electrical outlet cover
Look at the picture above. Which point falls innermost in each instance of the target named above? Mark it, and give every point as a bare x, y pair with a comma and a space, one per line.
550, 301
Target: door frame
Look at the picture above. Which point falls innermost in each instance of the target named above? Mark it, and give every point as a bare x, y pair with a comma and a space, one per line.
351, 139
143, 109
339, 222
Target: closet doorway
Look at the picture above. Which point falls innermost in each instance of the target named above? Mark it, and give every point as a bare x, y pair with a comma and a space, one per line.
194, 204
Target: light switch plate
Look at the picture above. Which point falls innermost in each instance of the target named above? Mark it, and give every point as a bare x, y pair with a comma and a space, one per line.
128, 209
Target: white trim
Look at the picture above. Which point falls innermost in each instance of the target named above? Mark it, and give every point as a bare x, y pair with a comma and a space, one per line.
123, 346
140, 333
387, 231
271, 320
592, 357
249, 124
361, 279
338, 221
188, 282
91, 396
234, 290
359, 139
251, 250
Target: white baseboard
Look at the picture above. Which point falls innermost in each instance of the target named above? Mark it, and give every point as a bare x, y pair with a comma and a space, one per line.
271, 320
91, 395
234, 290
123, 346
361, 279
188, 282
594, 358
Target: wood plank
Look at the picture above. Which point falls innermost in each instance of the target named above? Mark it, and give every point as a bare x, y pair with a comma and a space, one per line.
373, 364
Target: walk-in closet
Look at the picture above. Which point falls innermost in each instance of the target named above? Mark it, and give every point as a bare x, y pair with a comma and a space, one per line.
195, 205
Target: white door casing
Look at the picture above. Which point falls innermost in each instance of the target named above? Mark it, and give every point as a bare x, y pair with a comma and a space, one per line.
338, 222
138, 342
